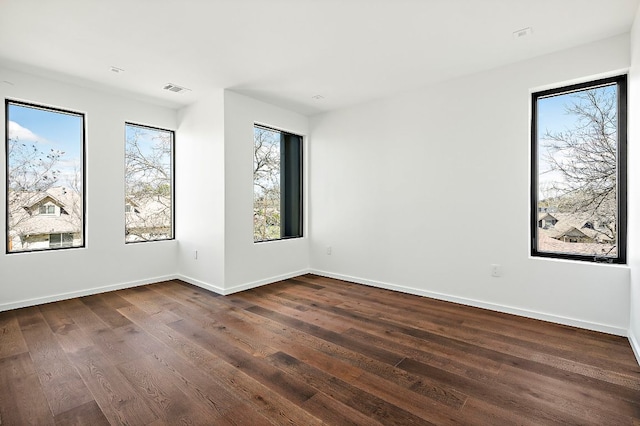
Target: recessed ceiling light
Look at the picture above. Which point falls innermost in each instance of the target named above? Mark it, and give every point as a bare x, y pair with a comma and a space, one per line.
525, 32
116, 70
317, 97
175, 88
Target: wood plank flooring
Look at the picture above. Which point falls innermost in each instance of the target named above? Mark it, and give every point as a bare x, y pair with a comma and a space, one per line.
305, 351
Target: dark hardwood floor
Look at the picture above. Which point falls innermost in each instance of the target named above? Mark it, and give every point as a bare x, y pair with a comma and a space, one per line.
305, 351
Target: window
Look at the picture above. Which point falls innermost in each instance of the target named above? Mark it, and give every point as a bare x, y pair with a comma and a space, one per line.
277, 184
45, 165
60, 240
579, 171
148, 184
47, 209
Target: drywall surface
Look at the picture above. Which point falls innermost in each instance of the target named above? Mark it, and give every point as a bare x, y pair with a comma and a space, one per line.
248, 264
105, 263
634, 187
424, 191
200, 174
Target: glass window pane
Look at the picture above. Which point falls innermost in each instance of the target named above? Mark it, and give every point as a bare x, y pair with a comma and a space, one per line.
45, 160
266, 184
577, 146
148, 183
54, 240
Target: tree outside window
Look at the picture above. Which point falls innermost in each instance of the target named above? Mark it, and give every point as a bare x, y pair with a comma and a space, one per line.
148, 184
277, 184
579, 171
45, 175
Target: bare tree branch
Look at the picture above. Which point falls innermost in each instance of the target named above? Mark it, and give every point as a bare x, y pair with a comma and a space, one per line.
585, 157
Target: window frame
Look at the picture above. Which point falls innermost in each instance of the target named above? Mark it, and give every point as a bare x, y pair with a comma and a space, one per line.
173, 184
285, 185
83, 162
621, 170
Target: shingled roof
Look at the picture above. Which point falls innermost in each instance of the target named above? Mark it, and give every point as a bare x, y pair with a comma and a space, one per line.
26, 220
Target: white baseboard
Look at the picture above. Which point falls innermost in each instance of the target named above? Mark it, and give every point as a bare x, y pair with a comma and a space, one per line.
241, 287
81, 293
635, 345
198, 283
104, 289
259, 283
618, 331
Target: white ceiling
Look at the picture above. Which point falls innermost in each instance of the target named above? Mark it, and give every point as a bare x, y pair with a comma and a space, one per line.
287, 51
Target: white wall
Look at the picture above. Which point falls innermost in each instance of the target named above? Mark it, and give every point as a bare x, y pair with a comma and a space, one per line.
200, 169
106, 263
215, 196
422, 192
634, 186
248, 264
214, 193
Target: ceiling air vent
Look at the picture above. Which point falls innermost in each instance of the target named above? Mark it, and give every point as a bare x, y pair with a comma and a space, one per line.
175, 88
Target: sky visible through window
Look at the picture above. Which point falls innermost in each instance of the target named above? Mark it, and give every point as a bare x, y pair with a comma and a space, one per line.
49, 130
45, 161
553, 118
147, 140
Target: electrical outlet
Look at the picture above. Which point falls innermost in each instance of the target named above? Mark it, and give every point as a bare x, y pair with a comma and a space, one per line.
496, 270
329, 250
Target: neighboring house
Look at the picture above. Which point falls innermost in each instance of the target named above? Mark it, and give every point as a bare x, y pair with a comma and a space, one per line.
148, 218
53, 219
570, 234
575, 233
44, 219
546, 220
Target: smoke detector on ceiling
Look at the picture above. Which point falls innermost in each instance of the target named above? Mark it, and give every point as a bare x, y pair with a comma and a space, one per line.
175, 88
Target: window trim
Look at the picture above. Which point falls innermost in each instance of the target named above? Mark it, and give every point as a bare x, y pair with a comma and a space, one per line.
173, 183
83, 160
621, 170
300, 185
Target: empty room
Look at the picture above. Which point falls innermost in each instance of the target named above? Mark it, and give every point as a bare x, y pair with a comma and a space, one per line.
367, 212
